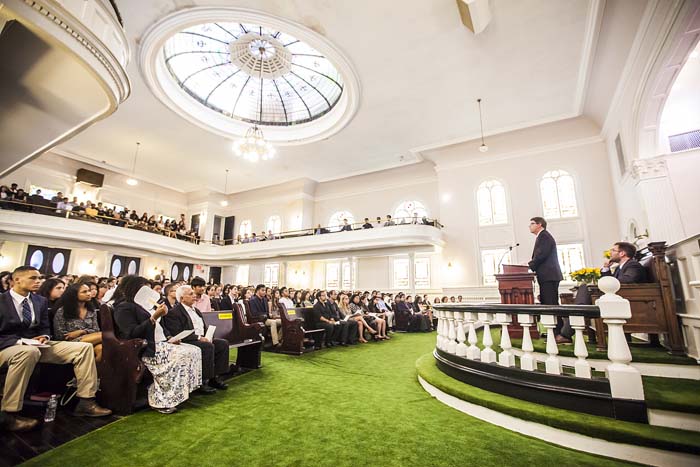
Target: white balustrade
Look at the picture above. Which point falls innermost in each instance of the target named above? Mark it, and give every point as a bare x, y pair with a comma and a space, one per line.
461, 337
527, 360
451, 335
438, 315
488, 355
582, 368
473, 352
625, 380
506, 357
552, 363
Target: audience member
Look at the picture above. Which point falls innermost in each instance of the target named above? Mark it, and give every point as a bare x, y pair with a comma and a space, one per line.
628, 270
76, 319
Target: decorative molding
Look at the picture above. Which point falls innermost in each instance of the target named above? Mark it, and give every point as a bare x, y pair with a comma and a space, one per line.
74, 26
648, 169
594, 19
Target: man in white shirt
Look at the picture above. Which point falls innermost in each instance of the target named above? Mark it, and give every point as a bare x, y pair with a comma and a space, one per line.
284, 298
25, 341
387, 312
184, 317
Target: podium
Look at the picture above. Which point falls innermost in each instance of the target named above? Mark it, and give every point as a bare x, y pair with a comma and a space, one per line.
515, 286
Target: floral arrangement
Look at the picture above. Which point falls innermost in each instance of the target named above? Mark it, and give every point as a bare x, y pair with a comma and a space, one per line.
606, 254
586, 275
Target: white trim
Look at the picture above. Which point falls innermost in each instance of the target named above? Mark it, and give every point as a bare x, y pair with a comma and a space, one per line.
646, 369
410, 182
527, 152
672, 419
567, 439
594, 19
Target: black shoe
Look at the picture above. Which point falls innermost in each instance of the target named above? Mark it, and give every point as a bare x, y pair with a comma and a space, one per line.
13, 422
206, 389
167, 410
218, 383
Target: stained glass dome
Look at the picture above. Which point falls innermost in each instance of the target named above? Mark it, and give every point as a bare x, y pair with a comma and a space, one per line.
223, 65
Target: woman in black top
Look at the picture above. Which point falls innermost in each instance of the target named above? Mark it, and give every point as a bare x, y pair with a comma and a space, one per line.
176, 367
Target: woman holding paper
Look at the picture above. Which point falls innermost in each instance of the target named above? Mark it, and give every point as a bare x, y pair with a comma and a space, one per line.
176, 369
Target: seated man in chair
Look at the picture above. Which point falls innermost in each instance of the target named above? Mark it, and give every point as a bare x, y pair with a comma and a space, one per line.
628, 270
25, 315
183, 317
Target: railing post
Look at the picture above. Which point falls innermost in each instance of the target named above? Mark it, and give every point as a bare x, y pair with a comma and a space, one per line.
527, 360
461, 346
581, 367
552, 364
488, 355
473, 352
625, 380
451, 343
506, 357
438, 314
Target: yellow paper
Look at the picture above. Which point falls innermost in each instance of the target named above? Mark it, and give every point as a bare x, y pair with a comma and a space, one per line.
225, 315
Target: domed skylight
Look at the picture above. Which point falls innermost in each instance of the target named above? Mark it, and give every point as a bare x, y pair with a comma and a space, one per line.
219, 64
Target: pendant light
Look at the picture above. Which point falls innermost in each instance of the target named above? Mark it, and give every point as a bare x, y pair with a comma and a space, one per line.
483, 147
132, 180
223, 202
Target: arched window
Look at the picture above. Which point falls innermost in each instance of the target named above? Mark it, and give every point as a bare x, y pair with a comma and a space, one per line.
274, 224
336, 219
558, 195
409, 209
246, 227
491, 199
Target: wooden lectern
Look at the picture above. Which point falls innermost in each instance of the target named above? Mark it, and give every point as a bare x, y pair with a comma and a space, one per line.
515, 286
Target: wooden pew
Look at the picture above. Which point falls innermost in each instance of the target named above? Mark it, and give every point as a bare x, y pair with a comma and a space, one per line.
244, 337
653, 304
296, 336
121, 370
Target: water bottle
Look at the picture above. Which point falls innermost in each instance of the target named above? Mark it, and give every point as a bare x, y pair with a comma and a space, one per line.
50, 414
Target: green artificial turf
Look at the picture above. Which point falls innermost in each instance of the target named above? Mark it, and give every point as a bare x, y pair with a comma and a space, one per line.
353, 406
590, 425
640, 353
680, 395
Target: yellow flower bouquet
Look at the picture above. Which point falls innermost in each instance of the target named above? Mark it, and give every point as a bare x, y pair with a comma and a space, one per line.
586, 275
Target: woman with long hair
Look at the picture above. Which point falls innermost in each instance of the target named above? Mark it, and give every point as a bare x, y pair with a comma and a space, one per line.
5, 278
76, 319
379, 317
345, 309
305, 299
52, 289
372, 323
176, 367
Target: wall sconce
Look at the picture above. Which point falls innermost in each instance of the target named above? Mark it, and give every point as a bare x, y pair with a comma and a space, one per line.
449, 264
88, 268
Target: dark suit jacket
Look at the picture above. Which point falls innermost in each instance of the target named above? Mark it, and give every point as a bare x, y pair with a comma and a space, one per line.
258, 308
334, 310
11, 328
545, 261
226, 303
346, 228
632, 272
321, 310
133, 322
178, 320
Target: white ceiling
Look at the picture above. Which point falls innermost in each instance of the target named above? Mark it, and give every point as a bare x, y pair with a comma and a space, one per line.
421, 71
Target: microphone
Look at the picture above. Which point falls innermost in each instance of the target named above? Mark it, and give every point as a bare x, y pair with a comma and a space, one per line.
510, 248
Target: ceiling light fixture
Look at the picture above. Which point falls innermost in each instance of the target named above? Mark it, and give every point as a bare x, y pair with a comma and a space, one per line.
223, 202
253, 147
483, 147
132, 180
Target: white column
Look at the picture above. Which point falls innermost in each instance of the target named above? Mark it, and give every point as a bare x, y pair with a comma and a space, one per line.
625, 380
438, 315
654, 188
451, 334
488, 355
552, 364
461, 348
506, 357
581, 367
527, 360
473, 352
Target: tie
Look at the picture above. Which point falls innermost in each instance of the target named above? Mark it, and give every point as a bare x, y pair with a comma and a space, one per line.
26, 313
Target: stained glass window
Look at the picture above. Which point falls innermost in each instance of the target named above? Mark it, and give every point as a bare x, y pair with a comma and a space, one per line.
491, 201
246, 227
274, 224
491, 261
401, 273
570, 258
225, 65
336, 219
558, 195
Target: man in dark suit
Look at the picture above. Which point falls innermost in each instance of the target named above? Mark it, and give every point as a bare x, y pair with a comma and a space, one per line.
628, 271
25, 315
545, 262
183, 317
323, 319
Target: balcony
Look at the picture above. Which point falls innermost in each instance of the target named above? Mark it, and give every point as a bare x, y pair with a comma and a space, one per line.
25, 226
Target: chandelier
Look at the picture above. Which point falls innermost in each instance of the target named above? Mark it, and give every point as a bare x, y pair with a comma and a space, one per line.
253, 147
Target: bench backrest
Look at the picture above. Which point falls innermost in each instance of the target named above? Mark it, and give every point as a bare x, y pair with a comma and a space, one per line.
223, 320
